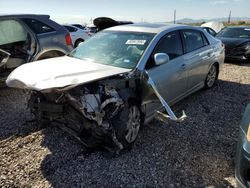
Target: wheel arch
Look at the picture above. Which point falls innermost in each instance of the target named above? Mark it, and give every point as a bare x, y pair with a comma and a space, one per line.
77, 40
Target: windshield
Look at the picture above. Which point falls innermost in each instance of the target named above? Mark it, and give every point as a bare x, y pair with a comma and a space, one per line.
120, 49
235, 33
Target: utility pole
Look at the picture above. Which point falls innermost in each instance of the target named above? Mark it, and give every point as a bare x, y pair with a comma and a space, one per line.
229, 17
174, 16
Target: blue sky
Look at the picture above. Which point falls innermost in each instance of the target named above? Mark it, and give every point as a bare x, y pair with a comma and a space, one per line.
135, 10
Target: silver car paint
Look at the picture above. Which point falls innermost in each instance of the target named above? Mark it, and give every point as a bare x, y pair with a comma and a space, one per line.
185, 74
181, 76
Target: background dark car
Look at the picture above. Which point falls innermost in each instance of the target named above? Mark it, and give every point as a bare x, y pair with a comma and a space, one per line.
26, 38
80, 26
243, 151
105, 22
237, 43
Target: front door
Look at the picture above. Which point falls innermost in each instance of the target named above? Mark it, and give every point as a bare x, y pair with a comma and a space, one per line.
170, 78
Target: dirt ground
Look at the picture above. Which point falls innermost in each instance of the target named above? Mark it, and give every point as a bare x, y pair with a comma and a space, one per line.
199, 152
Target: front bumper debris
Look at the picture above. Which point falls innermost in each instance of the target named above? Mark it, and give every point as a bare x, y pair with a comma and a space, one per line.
67, 117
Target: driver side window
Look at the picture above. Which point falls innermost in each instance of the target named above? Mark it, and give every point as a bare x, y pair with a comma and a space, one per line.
170, 44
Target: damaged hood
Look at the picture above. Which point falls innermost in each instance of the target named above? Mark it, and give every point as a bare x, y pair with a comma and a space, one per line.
59, 72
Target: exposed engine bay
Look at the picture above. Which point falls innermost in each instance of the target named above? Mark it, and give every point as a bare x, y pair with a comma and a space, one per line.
87, 111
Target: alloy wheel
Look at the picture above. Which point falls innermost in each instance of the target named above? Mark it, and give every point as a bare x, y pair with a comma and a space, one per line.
133, 125
211, 76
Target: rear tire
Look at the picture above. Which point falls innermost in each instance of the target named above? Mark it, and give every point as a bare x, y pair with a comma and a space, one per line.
211, 77
78, 41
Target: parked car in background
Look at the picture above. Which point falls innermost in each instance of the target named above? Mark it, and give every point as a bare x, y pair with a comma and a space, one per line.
80, 26
77, 35
29, 38
216, 26
92, 29
209, 30
237, 42
106, 22
102, 91
242, 167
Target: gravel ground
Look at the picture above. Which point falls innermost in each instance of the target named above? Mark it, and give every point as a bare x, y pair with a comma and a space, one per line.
199, 152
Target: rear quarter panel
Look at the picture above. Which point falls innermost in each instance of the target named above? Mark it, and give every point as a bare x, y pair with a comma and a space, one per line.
53, 40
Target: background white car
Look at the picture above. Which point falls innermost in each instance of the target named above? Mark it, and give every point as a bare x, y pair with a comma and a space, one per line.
77, 35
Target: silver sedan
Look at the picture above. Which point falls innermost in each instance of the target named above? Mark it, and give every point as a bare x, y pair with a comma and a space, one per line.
108, 86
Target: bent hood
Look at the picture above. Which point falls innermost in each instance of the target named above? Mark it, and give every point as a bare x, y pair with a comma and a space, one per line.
59, 72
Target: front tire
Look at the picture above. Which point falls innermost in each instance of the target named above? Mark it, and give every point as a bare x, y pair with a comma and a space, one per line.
211, 77
127, 124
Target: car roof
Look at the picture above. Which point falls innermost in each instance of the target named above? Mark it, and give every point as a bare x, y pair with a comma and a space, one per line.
24, 15
149, 27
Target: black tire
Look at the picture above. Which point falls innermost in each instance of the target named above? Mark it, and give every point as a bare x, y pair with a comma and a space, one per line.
38, 115
77, 42
211, 76
127, 124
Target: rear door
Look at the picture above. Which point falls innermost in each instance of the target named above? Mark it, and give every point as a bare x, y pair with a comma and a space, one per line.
197, 57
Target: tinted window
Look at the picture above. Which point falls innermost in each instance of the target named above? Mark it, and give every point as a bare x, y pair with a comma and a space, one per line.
37, 26
235, 32
70, 29
193, 40
212, 32
79, 26
171, 45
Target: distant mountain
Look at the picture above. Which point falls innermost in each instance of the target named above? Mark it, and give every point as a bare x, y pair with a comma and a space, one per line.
188, 20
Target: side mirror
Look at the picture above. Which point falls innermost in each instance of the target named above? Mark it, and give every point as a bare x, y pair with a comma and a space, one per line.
161, 58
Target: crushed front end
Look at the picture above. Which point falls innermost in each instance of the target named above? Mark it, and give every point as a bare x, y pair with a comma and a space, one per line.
86, 111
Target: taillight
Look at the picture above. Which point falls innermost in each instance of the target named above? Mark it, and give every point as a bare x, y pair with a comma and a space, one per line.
68, 40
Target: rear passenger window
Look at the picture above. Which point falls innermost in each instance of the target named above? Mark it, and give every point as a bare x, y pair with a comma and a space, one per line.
171, 45
37, 26
193, 40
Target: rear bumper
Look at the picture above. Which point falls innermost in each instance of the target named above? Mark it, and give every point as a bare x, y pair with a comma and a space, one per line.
242, 169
